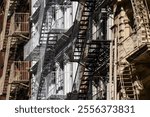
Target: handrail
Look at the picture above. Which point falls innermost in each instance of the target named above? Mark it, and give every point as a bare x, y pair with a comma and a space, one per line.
75, 78
40, 20
122, 84
21, 23
20, 71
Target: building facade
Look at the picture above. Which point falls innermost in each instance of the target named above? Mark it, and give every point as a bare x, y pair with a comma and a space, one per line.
74, 49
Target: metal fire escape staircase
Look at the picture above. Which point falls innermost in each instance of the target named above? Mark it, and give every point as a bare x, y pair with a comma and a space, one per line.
88, 70
9, 9
92, 55
141, 17
126, 82
46, 62
47, 66
96, 57
141, 28
96, 60
10, 45
10, 57
81, 40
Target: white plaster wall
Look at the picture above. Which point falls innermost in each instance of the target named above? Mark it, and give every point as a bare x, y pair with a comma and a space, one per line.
94, 30
32, 8
94, 92
59, 22
75, 4
68, 81
32, 43
110, 23
68, 18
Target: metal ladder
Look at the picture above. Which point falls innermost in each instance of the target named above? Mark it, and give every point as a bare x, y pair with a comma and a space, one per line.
126, 82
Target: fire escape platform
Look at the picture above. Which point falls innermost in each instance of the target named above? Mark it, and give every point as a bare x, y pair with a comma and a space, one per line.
141, 54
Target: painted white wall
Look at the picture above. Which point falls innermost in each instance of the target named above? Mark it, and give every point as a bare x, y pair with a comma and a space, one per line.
94, 92
68, 18
32, 8
64, 20
110, 87
94, 30
68, 81
32, 43
66, 77
75, 5
59, 22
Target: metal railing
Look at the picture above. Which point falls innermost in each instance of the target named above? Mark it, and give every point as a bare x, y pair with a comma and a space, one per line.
20, 71
21, 22
131, 44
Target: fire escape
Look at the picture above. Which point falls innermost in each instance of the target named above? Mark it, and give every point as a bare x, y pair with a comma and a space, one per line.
142, 33
48, 42
92, 55
15, 31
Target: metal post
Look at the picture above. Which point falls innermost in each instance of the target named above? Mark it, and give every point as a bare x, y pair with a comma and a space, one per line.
111, 49
90, 38
115, 70
110, 70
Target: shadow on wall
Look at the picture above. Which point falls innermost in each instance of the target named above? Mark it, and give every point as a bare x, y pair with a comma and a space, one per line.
143, 71
1, 62
145, 94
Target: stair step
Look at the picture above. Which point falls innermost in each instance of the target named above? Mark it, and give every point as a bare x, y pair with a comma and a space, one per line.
83, 88
85, 80
83, 85
89, 71
78, 51
94, 52
89, 6
78, 46
128, 86
126, 78
85, 21
81, 38
95, 48
79, 43
87, 11
84, 96
88, 75
83, 24
129, 90
82, 29
75, 55
131, 94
